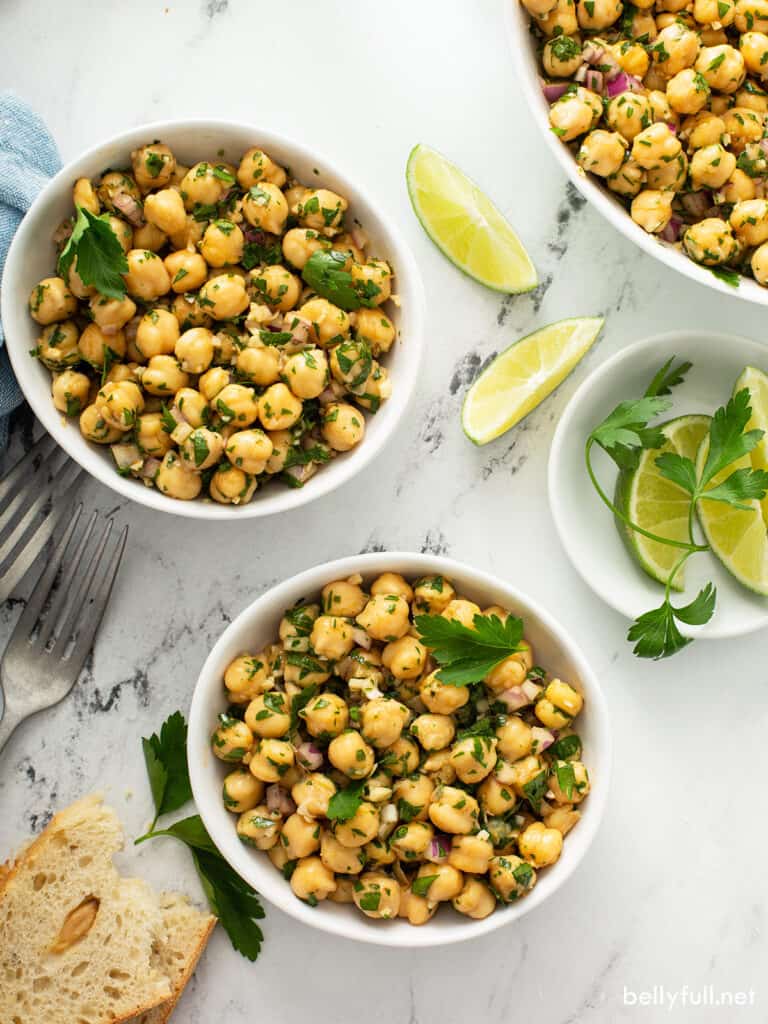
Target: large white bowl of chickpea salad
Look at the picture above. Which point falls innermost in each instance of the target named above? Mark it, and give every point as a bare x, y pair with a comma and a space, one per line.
258, 342
358, 791
657, 112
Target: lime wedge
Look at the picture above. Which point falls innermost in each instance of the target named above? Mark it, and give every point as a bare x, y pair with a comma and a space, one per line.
658, 504
523, 375
465, 225
738, 538
757, 383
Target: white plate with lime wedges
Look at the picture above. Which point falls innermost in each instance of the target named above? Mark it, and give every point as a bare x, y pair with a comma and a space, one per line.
624, 566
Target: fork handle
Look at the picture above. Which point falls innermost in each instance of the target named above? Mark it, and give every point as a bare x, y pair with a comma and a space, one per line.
9, 722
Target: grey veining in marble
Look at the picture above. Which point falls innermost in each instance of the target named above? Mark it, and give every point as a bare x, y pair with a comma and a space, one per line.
673, 892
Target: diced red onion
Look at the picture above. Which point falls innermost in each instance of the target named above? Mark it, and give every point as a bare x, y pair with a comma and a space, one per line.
130, 208
530, 689
361, 638
592, 54
126, 455
278, 799
150, 468
542, 738
764, 145
309, 755
672, 127
302, 473
581, 73
594, 81
438, 849
359, 237
671, 232
554, 90
697, 203
622, 82
514, 698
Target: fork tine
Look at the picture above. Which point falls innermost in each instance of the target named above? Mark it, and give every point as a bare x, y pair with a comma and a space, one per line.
93, 608
56, 612
10, 482
39, 596
13, 570
22, 516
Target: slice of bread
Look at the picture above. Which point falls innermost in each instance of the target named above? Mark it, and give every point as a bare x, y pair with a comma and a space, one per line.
78, 943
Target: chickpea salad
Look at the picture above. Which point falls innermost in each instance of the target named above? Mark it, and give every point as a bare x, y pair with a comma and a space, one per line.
217, 325
397, 748
666, 102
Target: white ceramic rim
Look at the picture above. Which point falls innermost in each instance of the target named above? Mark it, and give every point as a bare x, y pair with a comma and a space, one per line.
518, 19
242, 859
671, 340
282, 500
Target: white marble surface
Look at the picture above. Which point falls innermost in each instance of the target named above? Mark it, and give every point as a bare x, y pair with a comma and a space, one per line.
673, 892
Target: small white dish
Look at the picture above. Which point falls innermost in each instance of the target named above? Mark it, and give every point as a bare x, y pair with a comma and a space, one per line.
257, 625
32, 257
527, 69
586, 527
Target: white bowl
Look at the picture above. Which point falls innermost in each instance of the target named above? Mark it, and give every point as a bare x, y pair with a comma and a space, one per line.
32, 257
527, 65
586, 527
257, 626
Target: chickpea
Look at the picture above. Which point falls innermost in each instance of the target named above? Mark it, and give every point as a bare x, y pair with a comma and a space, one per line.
176, 481
351, 755
224, 296
409, 842
256, 166
300, 243
306, 373
751, 15
405, 658
447, 881
539, 8
471, 853
628, 180
640, 24
632, 57
300, 837
759, 264
312, 795
576, 786
95, 346
259, 364
264, 207
51, 301
521, 772
277, 287
710, 242
120, 403
378, 854
629, 114
95, 428
413, 793
213, 382
322, 210
473, 758
462, 611
401, 757
189, 312
343, 597
512, 671
655, 145
222, 243
495, 798
247, 676
153, 166
561, 56
433, 594
385, 617
123, 232
572, 115
372, 281
671, 176
279, 408
539, 845
311, 881
57, 346
234, 403
510, 877
189, 235
441, 698
268, 715
231, 486
331, 637
84, 194
344, 891
602, 152
163, 376
271, 759
232, 739
337, 857
378, 787
70, 391
475, 900
149, 237
111, 315
187, 270
312, 670
564, 696
562, 818
241, 791
194, 350
377, 895
202, 449
438, 766
599, 15
454, 811
249, 450
415, 909
744, 126
711, 166
514, 738
652, 210
722, 67
375, 329
703, 129
328, 325
259, 827
201, 185
360, 829
434, 732
382, 721
738, 188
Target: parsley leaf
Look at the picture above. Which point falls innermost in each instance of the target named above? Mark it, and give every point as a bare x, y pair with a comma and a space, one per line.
298, 704
324, 272
468, 655
624, 432
667, 377
728, 276
100, 257
534, 790
655, 634
566, 747
343, 805
420, 885
166, 760
727, 439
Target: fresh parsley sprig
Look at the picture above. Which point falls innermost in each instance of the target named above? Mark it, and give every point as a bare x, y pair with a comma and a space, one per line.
231, 899
100, 257
467, 655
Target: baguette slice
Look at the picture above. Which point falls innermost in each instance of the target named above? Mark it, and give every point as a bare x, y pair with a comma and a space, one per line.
77, 942
186, 934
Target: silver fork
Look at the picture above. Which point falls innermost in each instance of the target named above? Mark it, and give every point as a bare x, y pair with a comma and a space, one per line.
33, 496
51, 641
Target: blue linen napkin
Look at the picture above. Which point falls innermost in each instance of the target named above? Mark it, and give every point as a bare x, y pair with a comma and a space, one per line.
28, 159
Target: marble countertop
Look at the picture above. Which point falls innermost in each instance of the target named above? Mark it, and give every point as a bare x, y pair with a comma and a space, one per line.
673, 891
